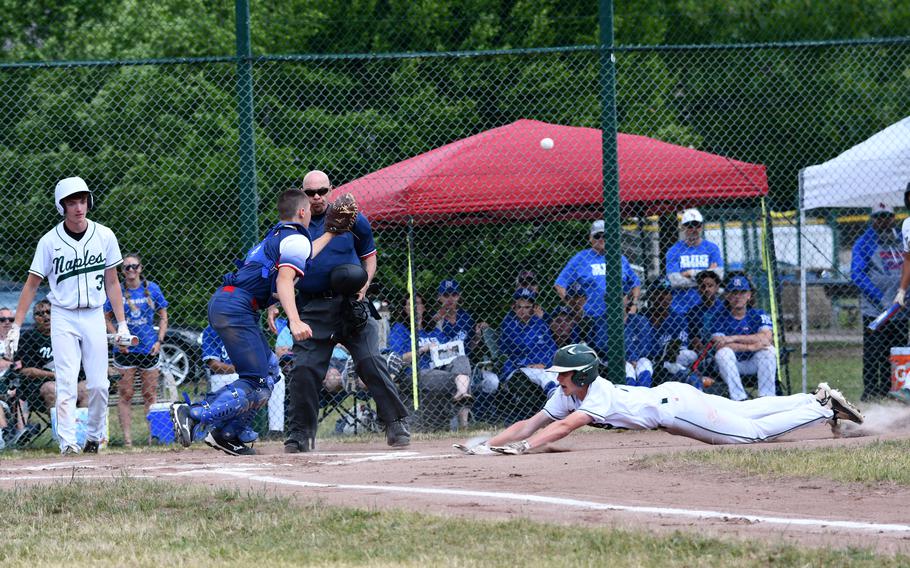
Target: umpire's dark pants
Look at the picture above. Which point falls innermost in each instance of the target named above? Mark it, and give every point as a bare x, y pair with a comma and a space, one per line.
877, 355
311, 361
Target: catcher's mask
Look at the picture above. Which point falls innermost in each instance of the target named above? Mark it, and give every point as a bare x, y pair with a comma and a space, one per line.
347, 279
577, 357
70, 186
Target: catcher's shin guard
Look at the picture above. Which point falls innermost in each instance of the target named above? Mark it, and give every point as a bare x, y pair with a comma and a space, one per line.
231, 401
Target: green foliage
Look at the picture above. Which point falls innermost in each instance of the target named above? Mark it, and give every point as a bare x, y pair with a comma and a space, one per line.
158, 144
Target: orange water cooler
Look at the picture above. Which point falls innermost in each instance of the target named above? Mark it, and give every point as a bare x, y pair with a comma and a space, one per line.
900, 368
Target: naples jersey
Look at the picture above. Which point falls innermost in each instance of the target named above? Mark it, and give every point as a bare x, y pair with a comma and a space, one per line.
724, 324
75, 269
681, 258
589, 270
349, 247
635, 408
287, 244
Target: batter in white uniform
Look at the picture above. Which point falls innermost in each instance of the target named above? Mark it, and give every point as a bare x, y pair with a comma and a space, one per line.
79, 259
587, 399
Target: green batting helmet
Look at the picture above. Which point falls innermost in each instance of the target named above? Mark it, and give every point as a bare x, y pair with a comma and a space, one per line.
577, 357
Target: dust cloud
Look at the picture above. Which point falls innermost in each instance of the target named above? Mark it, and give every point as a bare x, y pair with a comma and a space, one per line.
881, 418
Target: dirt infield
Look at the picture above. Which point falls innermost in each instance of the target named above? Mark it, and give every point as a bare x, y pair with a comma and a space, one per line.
593, 477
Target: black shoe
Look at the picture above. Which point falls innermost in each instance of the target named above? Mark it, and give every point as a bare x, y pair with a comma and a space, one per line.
90, 447
232, 448
397, 434
183, 423
24, 436
297, 444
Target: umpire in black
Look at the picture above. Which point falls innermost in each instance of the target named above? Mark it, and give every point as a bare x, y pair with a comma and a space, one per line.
327, 310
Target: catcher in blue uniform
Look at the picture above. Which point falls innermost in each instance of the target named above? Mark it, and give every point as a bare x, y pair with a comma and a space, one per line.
269, 270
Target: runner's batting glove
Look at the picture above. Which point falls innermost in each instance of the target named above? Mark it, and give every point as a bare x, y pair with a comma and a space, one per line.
123, 337
899, 297
478, 450
512, 448
12, 342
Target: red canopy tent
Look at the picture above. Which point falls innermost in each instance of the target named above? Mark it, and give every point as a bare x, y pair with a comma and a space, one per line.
504, 173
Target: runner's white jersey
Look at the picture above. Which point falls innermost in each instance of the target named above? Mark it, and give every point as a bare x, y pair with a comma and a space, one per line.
635, 408
75, 269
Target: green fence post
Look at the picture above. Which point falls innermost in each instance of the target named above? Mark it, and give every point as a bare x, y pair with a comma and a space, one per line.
249, 199
616, 371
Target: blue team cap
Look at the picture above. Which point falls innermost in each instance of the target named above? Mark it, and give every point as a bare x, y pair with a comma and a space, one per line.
562, 311
739, 284
660, 285
524, 294
574, 290
449, 287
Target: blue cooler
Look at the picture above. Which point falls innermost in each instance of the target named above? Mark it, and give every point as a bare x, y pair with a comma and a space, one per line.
160, 426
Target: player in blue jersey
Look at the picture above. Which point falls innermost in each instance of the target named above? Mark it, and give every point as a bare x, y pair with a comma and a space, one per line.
587, 270
638, 335
743, 337
671, 336
270, 269
687, 258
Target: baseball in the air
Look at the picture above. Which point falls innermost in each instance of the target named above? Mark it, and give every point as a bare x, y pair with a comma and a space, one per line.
546, 143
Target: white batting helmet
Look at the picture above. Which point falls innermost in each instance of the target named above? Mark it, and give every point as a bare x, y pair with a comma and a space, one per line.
67, 187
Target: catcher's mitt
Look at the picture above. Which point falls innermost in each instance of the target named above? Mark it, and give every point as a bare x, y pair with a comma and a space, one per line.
341, 214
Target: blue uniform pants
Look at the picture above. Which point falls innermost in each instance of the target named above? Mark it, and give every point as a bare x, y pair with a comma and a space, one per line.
234, 315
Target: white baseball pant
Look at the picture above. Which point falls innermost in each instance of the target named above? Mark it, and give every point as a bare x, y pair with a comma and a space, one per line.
718, 420
763, 363
79, 337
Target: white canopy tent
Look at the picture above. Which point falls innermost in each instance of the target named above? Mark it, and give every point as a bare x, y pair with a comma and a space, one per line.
876, 170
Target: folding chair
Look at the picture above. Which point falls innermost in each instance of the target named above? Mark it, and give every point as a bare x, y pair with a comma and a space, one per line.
356, 416
39, 416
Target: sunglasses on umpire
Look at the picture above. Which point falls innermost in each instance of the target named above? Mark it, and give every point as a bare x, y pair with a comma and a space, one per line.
315, 192
130, 267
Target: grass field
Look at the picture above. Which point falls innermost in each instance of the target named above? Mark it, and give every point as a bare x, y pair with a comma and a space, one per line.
128, 522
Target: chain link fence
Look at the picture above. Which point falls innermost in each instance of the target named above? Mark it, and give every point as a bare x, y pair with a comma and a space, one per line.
482, 175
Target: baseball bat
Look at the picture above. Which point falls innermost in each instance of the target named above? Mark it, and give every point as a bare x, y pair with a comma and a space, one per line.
883, 317
112, 339
702, 355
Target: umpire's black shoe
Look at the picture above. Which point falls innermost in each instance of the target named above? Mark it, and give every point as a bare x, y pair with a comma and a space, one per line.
297, 444
90, 447
397, 434
232, 448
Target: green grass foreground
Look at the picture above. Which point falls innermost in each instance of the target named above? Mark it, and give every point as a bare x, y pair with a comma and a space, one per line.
876, 462
128, 522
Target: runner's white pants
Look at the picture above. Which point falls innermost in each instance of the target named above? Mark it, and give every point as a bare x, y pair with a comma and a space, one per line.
79, 337
718, 420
